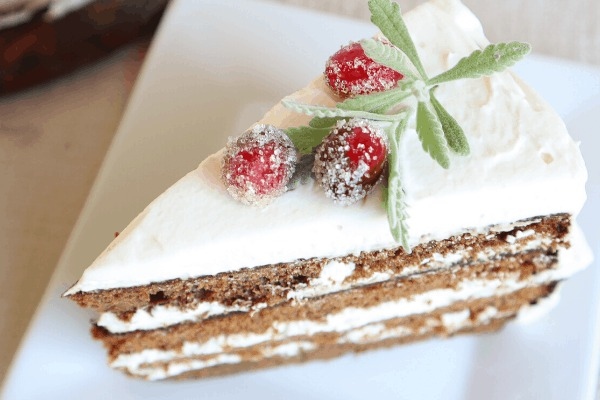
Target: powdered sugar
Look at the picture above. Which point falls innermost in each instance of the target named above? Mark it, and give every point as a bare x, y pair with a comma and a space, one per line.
350, 161
349, 72
258, 165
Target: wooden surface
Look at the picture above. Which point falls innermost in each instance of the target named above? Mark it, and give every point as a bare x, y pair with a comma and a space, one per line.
52, 142
53, 139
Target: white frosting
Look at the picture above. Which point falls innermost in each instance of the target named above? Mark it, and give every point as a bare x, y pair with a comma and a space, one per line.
451, 322
366, 333
178, 368
289, 349
487, 313
334, 272
215, 345
162, 316
454, 321
520, 154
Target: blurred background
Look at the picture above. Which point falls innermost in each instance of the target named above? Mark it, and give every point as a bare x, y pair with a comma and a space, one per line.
67, 68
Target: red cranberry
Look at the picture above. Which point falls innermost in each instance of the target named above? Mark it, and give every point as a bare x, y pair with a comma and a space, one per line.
258, 165
350, 72
350, 160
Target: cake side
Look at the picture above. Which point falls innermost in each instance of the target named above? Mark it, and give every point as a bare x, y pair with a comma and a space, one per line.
415, 293
196, 360
440, 302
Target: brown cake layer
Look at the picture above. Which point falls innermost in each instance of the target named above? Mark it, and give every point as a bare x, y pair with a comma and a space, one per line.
44, 48
415, 327
518, 267
270, 284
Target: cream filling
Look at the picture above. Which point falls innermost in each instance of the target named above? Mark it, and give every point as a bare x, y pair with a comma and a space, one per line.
331, 280
452, 322
352, 318
178, 368
372, 333
285, 350
163, 316
520, 154
349, 318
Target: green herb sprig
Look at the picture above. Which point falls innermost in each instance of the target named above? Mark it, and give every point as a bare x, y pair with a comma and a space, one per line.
439, 133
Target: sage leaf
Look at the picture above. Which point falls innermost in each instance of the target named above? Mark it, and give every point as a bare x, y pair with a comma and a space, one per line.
431, 134
389, 56
386, 15
394, 197
494, 58
322, 122
323, 111
378, 103
306, 138
455, 136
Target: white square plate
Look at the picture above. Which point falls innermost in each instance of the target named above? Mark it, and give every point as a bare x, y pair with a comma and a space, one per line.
213, 69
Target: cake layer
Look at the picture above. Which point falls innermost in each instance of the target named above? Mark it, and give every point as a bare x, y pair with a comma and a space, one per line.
478, 315
444, 285
520, 154
256, 288
414, 295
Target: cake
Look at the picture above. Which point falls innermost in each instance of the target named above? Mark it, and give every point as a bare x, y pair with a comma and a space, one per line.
201, 284
43, 39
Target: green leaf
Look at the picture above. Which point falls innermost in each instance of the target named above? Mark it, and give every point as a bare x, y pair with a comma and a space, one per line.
322, 111
378, 103
457, 141
494, 58
389, 56
386, 15
394, 194
322, 122
431, 134
306, 138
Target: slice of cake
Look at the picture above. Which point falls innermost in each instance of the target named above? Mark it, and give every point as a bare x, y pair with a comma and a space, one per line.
201, 283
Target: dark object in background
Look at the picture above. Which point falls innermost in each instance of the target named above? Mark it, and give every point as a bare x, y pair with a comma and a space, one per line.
44, 48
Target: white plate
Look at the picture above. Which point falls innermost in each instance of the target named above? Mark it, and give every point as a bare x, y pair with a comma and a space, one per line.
214, 67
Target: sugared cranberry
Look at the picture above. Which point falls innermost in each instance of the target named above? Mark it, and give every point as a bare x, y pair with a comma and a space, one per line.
350, 160
349, 72
258, 165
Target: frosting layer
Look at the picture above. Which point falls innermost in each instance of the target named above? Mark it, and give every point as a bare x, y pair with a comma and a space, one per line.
520, 154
